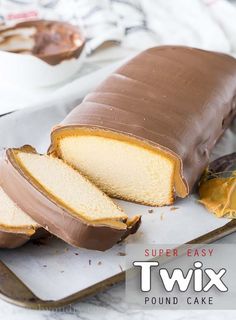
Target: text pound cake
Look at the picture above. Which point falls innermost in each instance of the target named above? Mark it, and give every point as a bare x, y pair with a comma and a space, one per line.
145, 134
63, 201
16, 227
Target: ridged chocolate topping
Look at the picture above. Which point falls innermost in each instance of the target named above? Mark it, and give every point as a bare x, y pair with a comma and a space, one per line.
51, 41
177, 99
54, 217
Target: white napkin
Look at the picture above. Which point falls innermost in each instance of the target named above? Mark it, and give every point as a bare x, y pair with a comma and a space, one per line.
137, 24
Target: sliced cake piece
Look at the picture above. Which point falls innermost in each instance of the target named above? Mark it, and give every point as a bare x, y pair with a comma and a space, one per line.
16, 227
63, 201
123, 169
146, 133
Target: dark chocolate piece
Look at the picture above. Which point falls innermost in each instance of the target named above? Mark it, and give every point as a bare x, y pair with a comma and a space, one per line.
217, 187
223, 164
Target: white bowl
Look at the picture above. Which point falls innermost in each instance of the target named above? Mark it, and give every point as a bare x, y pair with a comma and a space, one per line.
29, 71
46, 68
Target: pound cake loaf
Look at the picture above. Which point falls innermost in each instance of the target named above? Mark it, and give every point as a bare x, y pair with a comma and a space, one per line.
61, 200
16, 227
146, 133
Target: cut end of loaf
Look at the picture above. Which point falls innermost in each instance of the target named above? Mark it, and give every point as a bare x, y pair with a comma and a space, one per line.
68, 188
122, 167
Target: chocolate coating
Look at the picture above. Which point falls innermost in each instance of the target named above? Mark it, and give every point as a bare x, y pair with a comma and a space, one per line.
11, 239
54, 217
51, 41
173, 98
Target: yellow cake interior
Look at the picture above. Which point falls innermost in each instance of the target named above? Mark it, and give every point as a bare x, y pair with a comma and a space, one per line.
11, 216
121, 168
70, 189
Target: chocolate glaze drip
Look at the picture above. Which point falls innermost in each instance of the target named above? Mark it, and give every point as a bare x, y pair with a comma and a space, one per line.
51, 41
174, 98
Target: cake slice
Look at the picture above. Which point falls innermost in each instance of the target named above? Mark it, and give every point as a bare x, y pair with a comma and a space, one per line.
63, 201
123, 167
16, 227
146, 133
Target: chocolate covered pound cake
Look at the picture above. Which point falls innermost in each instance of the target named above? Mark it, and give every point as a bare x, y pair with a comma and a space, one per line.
63, 201
16, 227
146, 133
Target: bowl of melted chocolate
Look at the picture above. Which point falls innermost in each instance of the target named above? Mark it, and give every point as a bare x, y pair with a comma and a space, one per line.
55, 47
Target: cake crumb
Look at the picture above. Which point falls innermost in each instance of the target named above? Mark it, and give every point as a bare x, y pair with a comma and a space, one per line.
66, 249
162, 216
174, 208
120, 267
121, 254
76, 253
90, 262
45, 266
150, 210
99, 263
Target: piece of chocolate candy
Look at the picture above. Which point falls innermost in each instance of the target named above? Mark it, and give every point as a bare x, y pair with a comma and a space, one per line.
217, 188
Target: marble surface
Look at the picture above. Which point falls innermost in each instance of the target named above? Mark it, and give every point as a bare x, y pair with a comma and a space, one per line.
111, 305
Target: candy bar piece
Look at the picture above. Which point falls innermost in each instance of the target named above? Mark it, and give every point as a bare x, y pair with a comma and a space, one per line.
217, 188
